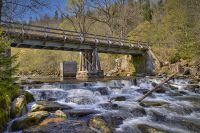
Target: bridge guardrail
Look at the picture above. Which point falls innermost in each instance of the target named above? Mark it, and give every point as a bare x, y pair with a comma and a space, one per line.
20, 28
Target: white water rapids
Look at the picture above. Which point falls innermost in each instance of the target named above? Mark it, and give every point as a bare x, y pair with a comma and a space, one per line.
178, 116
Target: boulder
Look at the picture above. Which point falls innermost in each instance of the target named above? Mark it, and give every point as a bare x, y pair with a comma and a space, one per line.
60, 114
28, 95
81, 112
48, 106
150, 129
28, 120
19, 106
153, 103
59, 125
113, 119
118, 98
100, 124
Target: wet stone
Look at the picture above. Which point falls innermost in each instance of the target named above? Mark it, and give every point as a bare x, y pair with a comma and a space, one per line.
60, 114
153, 103
143, 91
138, 112
102, 90
19, 106
28, 120
60, 126
100, 124
193, 88
113, 119
28, 95
109, 106
81, 112
118, 98
48, 106
156, 116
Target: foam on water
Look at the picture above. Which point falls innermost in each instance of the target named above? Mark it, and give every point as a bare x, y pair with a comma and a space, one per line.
86, 96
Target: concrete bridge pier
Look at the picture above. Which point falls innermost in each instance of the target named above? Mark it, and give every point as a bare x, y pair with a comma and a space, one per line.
89, 65
147, 63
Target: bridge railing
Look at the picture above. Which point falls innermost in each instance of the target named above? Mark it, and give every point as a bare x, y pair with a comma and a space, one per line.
29, 30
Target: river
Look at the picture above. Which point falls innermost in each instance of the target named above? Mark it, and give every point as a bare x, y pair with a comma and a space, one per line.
175, 108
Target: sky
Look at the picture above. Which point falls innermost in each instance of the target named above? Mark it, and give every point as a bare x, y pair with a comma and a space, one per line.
50, 10
53, 6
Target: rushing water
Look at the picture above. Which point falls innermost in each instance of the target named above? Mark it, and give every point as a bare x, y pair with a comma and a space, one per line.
179, 115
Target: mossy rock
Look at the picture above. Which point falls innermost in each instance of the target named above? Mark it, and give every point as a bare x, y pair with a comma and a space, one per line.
28, 95
48, 106
19, 106
59, 125
60, 114
99, 124
28, 120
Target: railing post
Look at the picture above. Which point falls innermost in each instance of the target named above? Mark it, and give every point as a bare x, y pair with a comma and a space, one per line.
23, 31
45, 33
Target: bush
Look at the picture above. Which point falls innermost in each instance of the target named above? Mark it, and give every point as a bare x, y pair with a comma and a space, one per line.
175, 58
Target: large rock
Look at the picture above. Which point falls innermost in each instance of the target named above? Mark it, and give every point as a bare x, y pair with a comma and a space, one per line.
19, 107
28, 120
53, 125
48, 106
28, 95
100, 124
81, 112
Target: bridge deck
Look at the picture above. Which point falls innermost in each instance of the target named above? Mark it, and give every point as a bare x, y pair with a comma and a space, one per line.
37, 37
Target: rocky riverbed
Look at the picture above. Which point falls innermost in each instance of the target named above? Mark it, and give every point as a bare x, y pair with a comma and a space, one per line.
94, 107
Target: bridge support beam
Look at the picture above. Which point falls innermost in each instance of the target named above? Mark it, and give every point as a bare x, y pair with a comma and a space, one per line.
146, 63
89, 65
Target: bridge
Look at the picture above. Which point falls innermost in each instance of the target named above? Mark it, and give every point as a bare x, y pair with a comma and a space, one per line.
89, 45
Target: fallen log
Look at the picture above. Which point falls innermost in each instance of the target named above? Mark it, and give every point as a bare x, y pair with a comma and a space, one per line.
157, 86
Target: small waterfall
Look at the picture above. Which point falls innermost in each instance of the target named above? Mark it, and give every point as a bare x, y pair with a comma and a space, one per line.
178, 101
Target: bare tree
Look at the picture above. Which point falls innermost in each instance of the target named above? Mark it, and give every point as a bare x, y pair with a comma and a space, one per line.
11, 9
118, 15
105, 12
77, 14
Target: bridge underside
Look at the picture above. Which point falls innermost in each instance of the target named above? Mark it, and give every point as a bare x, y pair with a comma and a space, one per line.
89, 59
57, 43
73, 47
